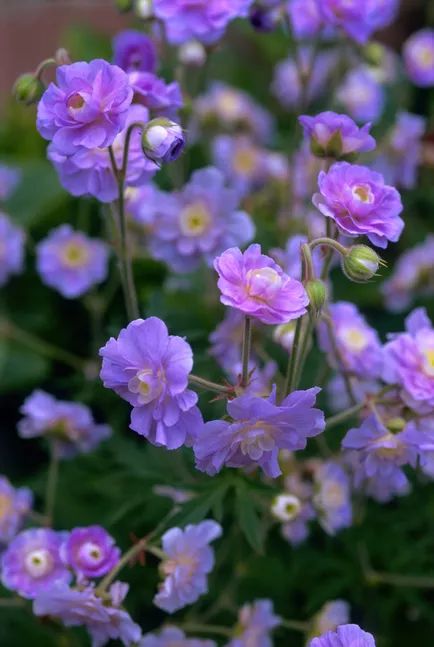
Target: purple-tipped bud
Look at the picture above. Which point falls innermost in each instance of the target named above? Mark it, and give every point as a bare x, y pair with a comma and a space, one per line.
28, 89
162, 140
361, 263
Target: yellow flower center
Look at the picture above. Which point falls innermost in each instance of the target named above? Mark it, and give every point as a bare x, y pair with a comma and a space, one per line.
363, 193
354, 339
428, 361
75, 254
425, 56
245, 161
228, 105
194, 219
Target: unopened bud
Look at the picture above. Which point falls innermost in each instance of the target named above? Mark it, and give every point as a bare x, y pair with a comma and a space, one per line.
265, 18
395, 425
28, 89
62, 57
123, 6
144, 9
162, 140
285, 507
317, 293
192, 53
360, 263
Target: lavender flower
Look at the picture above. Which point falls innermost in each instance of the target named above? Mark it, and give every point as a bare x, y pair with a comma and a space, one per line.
256, 285
9, 180
362, 95
189, 560
241, 160
330, 616
173, 637
255, 623
334, 135
418, 55
87, 106
31, 562
358, 344
344, 636
297, 530
133, 50
70, 262
226, 340
305, 16
11, 249
360, 203
149, 369
258, 430
204, 21
69, 424
358, 19
332, 497
90, 552
104, 618
199, 222
162, 140
162, 100
14, 506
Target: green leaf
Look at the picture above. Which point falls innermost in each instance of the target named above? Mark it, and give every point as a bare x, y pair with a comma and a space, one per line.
248, 518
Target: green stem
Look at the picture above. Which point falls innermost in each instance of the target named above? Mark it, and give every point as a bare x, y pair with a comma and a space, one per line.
343, 415
247, 344
295, 625
194, 627
43, 66
52, 479
328, 242
207, 384
292, 361
304, 351
140, 546
12, 602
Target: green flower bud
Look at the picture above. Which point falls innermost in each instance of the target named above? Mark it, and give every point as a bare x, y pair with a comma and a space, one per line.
28, 89
395, 425
360, 263
317, 293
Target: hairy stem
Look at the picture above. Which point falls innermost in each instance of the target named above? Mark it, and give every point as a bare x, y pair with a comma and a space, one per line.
207, 384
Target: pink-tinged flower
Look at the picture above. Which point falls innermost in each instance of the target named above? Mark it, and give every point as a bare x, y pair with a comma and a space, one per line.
334, 135
188, 561
254, 284
88, 171
104, 618
255, 623
173, 637
133, 50
149, 368
199, 222
11, 249
14, 507
70, 425
32, 563
412, 276
9, 180
362, 95
409, 362
358, 344
70, 262
418, 55
161, 99
359, 20
360, 203
258, 429
344, 636
332, 497
203, 20
90, 552
87, 106
330, 616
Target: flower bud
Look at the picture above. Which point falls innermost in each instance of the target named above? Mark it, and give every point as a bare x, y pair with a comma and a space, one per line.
144, 9
28, 89
62, 57
162, 140
192, 53
395, 425
360, 263
317, 293
123, 6
264, 18
285, 507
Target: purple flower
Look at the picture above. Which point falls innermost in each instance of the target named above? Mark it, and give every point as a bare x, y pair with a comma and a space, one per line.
205, 21
88, 106
359, 19
334, 135
358, 344
199, 222
162, 140
90, 552
189, 559
133, 50
362, 95
14, 506
105, 619
413, 276
332, 497
241, 160
162, 100
403, 151
9, 179
255, 623
344, 636
149, 369
306, 19
360, 203
173, 637
258, 430
70, 262
11, 249
88, 171
297, 530
256, 285
330, 616
418, 55
32, 562
69, 424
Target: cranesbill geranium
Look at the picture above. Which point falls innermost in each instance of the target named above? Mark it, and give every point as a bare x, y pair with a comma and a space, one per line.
162, 99
258, 429
149, 369
11, 248
173, 637
335, 135
90, 551
14, 506
419, 57
254, 284
360, 203
256, 621
345, 636
133, 50
358, 19
332, 497
362, 95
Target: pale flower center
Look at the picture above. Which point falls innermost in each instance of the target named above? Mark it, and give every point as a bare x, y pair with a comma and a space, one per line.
75, 254
147, 385
194, 219
245, 161
389, 452
354, 339
5, 506
428, 362
185, 561
257, 439
38, 563
425, 56
91, 551
332, 494
261, 282
75, 102
229, 105
363, 193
